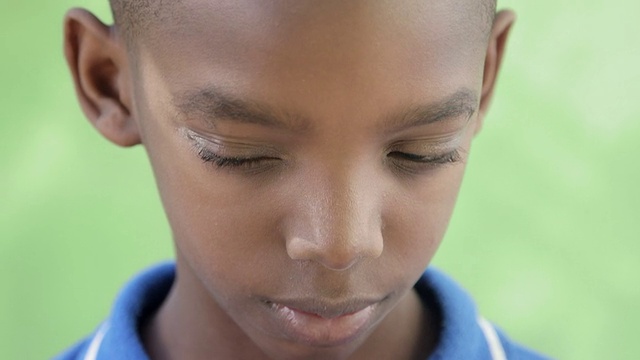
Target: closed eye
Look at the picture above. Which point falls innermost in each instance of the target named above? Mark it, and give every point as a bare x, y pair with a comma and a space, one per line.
232, 161
446, 158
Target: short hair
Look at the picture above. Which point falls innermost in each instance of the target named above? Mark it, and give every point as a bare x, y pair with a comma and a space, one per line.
134, 17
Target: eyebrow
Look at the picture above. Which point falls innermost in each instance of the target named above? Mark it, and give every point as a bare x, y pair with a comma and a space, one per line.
212, 105
461, 103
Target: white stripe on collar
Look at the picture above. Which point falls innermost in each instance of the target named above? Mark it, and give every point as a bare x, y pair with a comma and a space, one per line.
94, 347
495, 347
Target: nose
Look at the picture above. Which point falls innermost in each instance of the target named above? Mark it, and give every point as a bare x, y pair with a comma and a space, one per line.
337, 223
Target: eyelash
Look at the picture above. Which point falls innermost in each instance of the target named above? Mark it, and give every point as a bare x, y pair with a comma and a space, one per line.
412, 164
443, 159
231, 162
253, 162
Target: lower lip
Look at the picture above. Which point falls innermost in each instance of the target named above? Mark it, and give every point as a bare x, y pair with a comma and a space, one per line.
314, 330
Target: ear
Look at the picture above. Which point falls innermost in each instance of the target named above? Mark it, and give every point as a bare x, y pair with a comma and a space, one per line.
99, 65
495, 52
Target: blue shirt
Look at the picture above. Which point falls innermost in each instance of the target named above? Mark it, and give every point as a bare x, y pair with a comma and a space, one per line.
465, 335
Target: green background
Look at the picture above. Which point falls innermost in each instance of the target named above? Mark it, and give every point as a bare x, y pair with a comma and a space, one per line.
545, 235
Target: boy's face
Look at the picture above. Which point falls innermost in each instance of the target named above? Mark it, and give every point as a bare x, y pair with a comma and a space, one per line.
308, 154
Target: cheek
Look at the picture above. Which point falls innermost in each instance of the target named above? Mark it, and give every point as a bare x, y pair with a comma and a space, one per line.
218, 221
217, 224
417, 215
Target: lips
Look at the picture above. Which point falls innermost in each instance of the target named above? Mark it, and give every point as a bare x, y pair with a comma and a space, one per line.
326, 310
322, 324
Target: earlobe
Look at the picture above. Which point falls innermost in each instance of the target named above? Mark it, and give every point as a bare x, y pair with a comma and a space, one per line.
495, 52
98, 64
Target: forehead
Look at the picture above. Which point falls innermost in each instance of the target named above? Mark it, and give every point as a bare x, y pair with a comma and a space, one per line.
344, 51
309, 22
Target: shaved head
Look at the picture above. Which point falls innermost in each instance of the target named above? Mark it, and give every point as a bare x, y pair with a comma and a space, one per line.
134, 17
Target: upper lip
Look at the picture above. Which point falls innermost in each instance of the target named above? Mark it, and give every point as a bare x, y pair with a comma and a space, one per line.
323, 308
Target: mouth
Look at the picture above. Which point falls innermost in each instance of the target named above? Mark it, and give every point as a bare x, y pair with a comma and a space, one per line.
322, 324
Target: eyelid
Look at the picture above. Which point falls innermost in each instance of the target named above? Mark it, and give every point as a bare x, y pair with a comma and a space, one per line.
427, 145
241, 148
447, 137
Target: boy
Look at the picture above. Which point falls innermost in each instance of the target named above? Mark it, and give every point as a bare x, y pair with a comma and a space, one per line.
308, 154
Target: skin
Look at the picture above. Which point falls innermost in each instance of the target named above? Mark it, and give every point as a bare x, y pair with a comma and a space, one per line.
333, 211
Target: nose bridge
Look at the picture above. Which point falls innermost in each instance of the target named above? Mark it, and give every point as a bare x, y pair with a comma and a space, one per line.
339, 221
